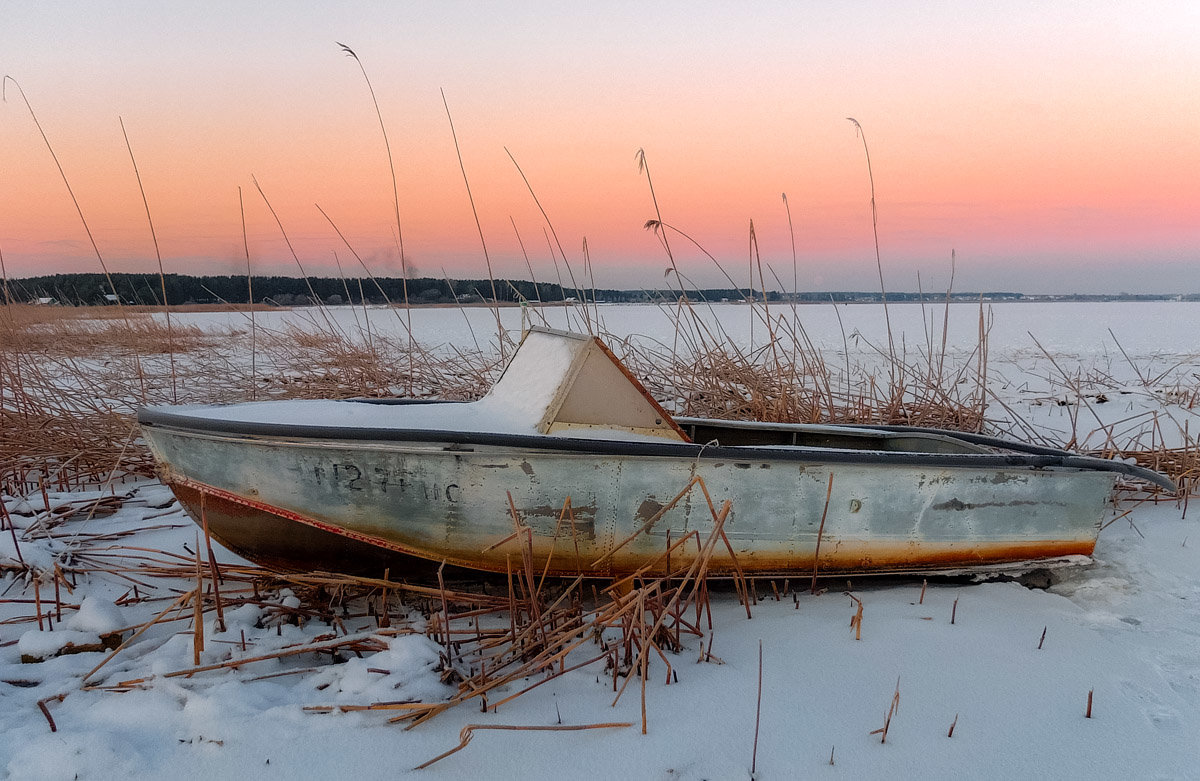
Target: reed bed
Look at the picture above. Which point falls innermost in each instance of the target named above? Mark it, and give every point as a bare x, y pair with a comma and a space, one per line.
71, 380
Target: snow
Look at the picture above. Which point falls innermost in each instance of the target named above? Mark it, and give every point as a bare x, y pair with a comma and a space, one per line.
96, 615
516, 404
42, 644
1124, 627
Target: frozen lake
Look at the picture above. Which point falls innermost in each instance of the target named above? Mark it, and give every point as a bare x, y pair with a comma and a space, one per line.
1165, 328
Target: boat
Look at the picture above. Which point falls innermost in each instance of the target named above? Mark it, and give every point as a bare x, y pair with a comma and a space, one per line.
569, 461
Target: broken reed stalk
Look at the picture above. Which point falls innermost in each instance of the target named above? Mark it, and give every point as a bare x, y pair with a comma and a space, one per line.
1043, 638
1088, 713
856, 619
469, 730
953, 724
924, 584
46, 711
953, 611
887, 720
820, 534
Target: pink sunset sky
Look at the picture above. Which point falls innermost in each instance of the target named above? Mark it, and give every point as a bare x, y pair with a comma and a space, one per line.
1054, 147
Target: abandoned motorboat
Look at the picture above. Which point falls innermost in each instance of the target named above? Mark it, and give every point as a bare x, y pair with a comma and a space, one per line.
569, 445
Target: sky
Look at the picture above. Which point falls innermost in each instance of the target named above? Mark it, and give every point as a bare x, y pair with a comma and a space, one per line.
1049, 147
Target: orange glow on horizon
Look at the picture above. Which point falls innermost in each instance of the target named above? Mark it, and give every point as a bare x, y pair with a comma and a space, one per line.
1040, 144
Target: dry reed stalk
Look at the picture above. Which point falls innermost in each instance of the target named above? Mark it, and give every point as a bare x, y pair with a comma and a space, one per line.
158, 255
757, 711
1043, 637
212, 564
954, 611
396, 204
821, 534
12, 530
500, 335
79, 210
445, 612
875, 230
643, 656
4, 281
198, 619
550, 225
58, 575
1088, 713
367, 641
383, 617
250, 299
37, 601
953, 724
924, 584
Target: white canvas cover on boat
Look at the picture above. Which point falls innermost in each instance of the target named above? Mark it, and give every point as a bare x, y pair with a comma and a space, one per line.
571, 382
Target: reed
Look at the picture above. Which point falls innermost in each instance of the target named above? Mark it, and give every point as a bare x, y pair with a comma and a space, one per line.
500, 335
395, 197
166, 305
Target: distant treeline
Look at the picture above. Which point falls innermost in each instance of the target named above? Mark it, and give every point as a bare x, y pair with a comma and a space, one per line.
146, 289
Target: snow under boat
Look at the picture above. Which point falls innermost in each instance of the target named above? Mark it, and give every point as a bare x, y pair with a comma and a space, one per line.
569, 443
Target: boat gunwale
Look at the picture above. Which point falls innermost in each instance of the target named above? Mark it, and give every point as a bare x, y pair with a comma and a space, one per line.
1018, 455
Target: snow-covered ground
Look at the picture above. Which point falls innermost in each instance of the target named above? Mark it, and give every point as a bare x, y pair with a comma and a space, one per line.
1126, 629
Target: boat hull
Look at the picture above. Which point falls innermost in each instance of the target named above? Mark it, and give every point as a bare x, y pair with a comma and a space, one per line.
365, 505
